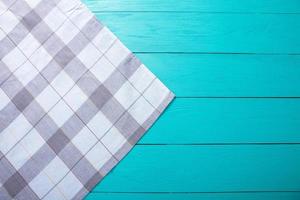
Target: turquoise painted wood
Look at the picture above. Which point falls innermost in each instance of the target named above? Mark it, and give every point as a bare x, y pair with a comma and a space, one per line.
206, 32
233, 133
207, 121
227, 75
193, 196
219, 168
249, 6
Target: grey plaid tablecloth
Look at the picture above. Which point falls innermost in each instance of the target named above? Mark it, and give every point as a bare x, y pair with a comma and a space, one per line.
73, 100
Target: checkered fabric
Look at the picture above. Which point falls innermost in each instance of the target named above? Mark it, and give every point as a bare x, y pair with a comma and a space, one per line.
73, 100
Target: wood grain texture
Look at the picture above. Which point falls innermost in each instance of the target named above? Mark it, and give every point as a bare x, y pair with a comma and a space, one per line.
194, 75
206, 121
249, 6
206, 33
206, 169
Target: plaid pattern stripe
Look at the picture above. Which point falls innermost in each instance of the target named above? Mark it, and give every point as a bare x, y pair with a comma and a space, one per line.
73, 100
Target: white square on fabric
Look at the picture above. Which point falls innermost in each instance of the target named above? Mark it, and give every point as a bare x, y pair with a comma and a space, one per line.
89, 55
70, 186
142, 78
104, 39
84, 140
98, 156
18, 156
141, 110
56, 170
75, 97
81, 16
19, 127
60, 113
99, 124
29, 45
62, 83
13, 133
67, 31
41, 184
26, 73
10, 59
113, 140
36, 60
54, 194
8, 21
32, 142
55, 19
47, 98
156, 93
126, 95
102, 69
117, 53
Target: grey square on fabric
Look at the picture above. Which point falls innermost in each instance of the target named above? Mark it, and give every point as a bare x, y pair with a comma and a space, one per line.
58, 141
73, 100
15, 184
64, 56
31, 20
22, 99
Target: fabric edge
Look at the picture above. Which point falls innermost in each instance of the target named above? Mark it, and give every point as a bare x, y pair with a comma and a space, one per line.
125, 150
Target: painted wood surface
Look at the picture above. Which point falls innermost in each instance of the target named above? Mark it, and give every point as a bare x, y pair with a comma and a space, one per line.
248, 6
210, 75
196, 196
219, 120
203, 168
234, 130
206, 32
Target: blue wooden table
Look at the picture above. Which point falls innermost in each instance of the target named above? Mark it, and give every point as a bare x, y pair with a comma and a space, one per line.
233, 131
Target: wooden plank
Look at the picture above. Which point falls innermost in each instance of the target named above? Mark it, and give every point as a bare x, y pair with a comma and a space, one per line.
213, 196
206, 121
212, 33
206, 169
279, 6
227, 75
